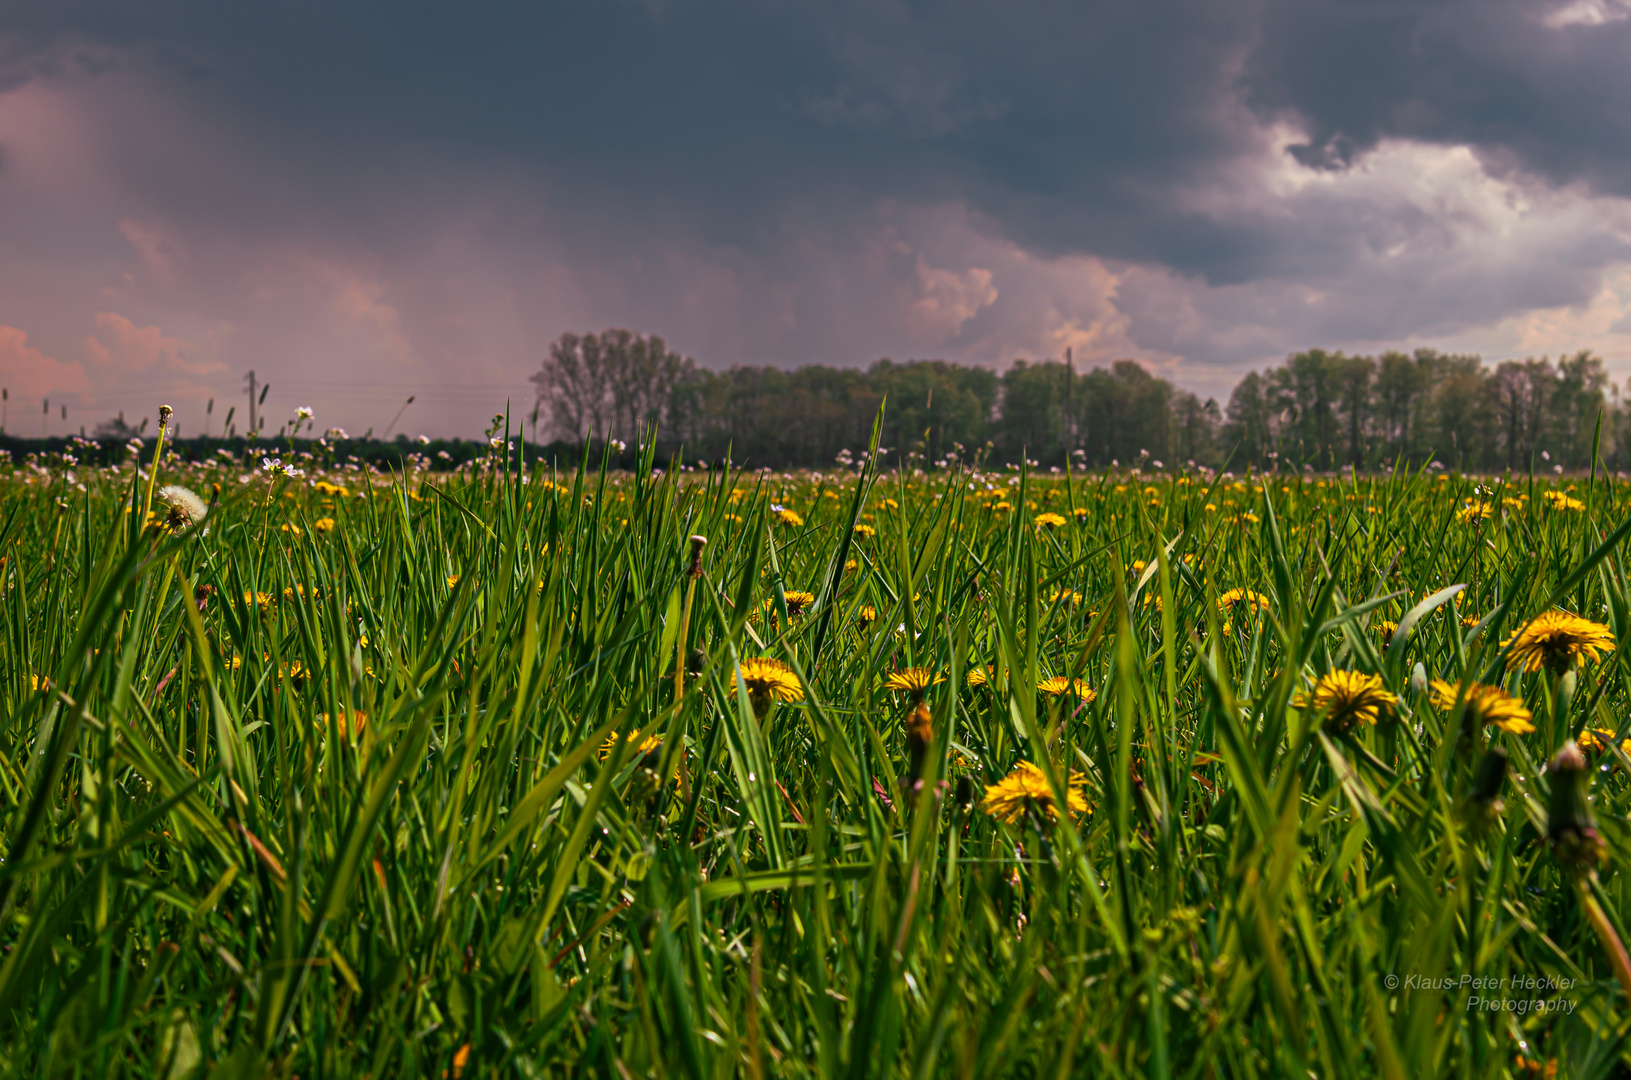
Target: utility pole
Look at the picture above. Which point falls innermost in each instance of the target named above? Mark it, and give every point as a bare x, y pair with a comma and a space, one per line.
250, 378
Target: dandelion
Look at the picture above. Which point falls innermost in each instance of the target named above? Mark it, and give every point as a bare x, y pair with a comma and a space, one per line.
768, 680
1486, 705
1347, 698
1597, 740
1474, 513
644, 747
789, 517
323, 525
913, 680
1049, 520
325, 488
866, 616
1570, 827
978, 677
1388, 628
797, 602
862, 530
1059, 685
452, 580
1555, 639
1255, 601
1026, 790
186, 508
1065, 596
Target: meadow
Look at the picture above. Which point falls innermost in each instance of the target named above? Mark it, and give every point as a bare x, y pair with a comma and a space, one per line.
319, 770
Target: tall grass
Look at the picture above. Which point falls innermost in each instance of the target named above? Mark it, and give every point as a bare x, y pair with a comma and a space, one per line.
375, 798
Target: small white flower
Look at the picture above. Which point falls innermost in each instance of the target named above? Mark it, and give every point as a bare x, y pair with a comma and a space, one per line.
424, 440
303, 413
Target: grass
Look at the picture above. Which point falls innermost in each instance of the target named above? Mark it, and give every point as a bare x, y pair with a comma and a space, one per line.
374, 798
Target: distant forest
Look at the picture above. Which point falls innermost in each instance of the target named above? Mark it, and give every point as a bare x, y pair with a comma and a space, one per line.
1322, 409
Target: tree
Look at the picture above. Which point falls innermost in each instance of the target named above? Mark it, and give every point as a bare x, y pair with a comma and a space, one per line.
610, 384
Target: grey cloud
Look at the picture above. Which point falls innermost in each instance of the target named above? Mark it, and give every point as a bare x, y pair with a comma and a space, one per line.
772, 182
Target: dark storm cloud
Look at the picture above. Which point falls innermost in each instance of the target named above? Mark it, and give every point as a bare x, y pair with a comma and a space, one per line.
1542, 87
1068, 123
1212, 181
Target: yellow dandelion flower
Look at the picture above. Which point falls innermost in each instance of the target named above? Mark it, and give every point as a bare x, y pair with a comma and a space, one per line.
326, 488
1486, 705
323, 525
1058, 685
1065, 596
789, 517
262, 600
1027, 789
1256, 601
292, 529
1555, 639
1139, 565
1002, 506
1388, 627
452, 580
1597, 739
641, 749
978, 677
1049, 520
867, 615
796, 603
1347, 698
864, 530
912, 680
1474, 513
1563, 501
768, 680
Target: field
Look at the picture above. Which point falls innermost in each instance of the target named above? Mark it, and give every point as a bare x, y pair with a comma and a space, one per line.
975, 772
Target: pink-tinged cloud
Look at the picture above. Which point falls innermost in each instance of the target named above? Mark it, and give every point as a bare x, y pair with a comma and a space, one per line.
121, 344
27, 373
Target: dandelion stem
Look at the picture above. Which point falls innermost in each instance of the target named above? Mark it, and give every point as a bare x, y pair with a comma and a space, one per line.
1612, 944
153, 474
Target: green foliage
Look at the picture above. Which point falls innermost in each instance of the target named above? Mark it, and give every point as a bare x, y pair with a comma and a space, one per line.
354, 777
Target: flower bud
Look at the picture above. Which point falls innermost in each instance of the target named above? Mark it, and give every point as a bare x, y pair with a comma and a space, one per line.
697, 544
1483, 804
1570, 827
1418, 678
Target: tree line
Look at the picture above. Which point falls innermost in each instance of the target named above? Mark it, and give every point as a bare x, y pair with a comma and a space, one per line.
1322, 409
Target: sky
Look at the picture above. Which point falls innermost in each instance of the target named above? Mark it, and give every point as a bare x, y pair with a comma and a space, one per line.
362, 201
